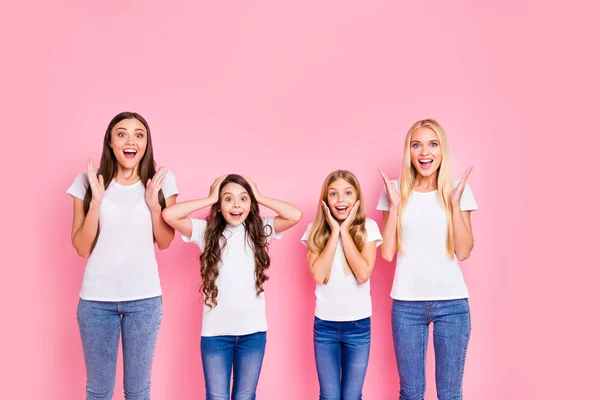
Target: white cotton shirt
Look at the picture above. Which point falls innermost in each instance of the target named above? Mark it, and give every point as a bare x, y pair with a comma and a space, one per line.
122, 265
239, 311
425, 271
343, 298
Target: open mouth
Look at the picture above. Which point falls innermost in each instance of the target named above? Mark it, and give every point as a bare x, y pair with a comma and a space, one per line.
426, 163
130, 153
341, 209
236, 215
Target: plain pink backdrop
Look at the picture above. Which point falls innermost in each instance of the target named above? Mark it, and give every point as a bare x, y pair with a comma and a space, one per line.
286, 92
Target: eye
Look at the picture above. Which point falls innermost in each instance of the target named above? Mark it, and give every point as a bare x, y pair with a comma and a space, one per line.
140, 135
227, 198
415, 145
348, 193
332, 194
244, 198
120, 134
434, 145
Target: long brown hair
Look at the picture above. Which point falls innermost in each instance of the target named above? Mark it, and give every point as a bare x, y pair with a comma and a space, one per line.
109, 166
215, 242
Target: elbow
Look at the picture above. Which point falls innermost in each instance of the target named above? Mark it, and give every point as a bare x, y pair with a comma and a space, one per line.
318, 278
83, 253
361, 280
387, 255
165, 216
462, 256
297, 217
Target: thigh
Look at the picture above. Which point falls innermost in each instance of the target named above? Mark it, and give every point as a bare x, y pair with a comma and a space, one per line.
217, 362
328, 358
451, 334
356, 346
140, 324
410, 327
248, 357
100, 330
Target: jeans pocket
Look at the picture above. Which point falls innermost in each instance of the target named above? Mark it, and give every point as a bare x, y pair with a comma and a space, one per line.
364, 323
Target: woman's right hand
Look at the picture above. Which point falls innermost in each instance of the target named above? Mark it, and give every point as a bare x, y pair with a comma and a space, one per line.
96, 183
333, 224
213, 195
391, 190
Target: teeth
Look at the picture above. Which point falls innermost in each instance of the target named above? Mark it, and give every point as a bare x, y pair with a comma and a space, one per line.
425, 161
129, 151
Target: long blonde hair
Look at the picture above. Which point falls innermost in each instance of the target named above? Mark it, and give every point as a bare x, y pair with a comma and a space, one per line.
445, 184
320, 230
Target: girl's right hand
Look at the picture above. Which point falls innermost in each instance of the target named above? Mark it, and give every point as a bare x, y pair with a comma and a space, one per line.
96, 183
213, 195
333, 224
390, 189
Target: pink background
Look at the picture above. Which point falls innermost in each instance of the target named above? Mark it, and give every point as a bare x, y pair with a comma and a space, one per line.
286, 92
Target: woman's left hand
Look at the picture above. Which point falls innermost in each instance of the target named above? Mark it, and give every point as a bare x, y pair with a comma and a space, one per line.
153, 187
350, 219
460, 188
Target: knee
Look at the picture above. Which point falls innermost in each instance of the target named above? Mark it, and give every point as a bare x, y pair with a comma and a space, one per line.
98, 393
411, 392
143, 394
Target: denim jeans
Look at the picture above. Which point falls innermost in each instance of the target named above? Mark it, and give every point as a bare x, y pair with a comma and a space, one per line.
100, 325
342, 354
451, 331
244, 353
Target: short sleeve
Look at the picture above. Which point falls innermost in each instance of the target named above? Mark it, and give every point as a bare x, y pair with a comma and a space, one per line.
198, 230
384, 204
304, 238
268, 221
373, 233
467, 201
169, 187
79, 186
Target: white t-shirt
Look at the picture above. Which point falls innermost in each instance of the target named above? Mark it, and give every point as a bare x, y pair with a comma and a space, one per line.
122, 265
343, 298
239, 311
425, 271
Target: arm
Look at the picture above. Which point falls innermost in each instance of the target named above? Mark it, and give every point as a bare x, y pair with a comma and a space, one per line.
176, 215
320, 266
361, 262
463, 235
389, 247
85, 226
288, 214
163, 233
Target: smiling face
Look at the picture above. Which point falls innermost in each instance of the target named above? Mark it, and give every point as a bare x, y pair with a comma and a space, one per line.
235, 203
425, 151
128, 141
341, 197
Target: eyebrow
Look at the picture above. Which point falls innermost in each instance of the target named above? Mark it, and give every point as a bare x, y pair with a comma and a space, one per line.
135, 130
231, 194
349, 187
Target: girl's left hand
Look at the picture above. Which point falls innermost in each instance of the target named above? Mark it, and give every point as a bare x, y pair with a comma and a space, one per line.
252, 184
153, 187
350, 219
459, 189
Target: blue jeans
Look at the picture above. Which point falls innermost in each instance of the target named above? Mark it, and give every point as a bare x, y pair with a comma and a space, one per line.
451, 331
244, 353
342, 354
100, 326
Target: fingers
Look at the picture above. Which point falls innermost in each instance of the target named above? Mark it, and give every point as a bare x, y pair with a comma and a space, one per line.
101, 181
384, 176
218, 181
466, 175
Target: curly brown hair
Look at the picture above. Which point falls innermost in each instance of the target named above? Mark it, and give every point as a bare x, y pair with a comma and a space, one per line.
215, 242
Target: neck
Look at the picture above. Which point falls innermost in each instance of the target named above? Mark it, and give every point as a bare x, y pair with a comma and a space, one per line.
127, 175
426, 183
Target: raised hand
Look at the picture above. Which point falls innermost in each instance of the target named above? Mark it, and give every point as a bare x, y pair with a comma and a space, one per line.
460, 188
255, 191
333, 224
153, 187
350, 218
213, 194
390, 189
96, 182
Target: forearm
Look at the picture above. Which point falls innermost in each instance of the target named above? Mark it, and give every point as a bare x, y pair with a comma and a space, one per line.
358, 264
163, 233
389, 247
463, 238
285, 210
182, 210
320, 267
85, 236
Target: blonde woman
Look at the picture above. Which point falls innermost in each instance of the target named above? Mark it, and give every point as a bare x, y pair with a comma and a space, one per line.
427, 222
341, 254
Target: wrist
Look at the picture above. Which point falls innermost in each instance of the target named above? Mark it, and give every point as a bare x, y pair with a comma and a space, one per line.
94, 203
